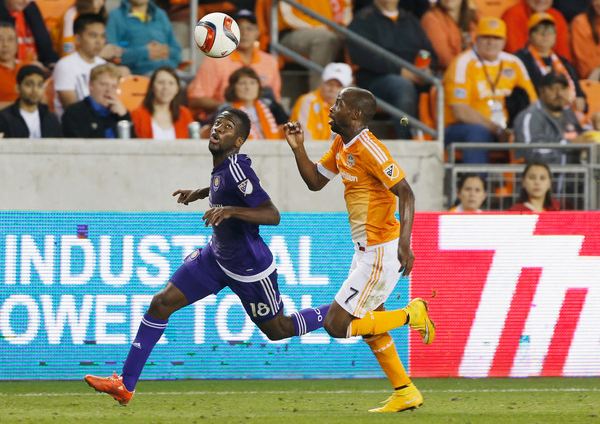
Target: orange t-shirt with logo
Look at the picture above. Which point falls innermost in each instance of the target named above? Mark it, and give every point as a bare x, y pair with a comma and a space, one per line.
8, 82
368, 172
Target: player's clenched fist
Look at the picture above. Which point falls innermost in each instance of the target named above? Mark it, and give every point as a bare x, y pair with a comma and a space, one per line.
294, 134
188, 196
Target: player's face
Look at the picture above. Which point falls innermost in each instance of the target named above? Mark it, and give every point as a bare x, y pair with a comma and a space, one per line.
104, 89
224, 134
539, 5
472, 194
489, 47
339, 114
330, 89
537, 182
165, 88
31, 89
8, 44
248, 34
92, 40
555, 97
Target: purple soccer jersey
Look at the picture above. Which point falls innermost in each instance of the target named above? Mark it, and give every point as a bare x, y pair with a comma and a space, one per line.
237, 245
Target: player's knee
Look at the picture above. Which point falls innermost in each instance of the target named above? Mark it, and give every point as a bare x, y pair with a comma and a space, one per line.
333, 329
275, 334
161, 307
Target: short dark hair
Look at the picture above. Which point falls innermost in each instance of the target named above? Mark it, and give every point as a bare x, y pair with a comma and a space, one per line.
82, 22
363, 101
244, 121
28, 70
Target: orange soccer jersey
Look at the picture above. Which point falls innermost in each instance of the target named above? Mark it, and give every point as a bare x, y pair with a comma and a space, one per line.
368, 172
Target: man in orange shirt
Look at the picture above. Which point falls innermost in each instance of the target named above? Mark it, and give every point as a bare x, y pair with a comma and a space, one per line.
372, 181
476, 86
516, 19
207, 90
9, 65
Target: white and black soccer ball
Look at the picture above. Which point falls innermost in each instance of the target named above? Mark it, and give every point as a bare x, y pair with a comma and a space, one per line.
217, 34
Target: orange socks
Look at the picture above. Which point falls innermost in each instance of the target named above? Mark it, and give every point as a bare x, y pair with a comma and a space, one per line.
377, 322
384, 349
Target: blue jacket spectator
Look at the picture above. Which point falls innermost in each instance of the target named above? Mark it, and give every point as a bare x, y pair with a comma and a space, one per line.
145, 33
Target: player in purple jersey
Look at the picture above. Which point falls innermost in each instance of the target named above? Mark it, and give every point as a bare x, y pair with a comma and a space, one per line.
236, 256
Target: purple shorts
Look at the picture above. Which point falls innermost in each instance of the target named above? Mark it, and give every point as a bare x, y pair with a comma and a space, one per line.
200, 275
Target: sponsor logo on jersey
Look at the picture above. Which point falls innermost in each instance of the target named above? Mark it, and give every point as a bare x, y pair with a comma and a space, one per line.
246, 187
348, 177
392, 171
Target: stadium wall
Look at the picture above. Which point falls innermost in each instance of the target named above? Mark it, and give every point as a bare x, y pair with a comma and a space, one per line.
512, 295
140, 175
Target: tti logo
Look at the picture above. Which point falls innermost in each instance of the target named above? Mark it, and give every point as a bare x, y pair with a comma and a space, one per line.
539, 310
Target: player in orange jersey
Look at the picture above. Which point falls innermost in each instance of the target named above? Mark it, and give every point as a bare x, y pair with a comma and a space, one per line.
372, 181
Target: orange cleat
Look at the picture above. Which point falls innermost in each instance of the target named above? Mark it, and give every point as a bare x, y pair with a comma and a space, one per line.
112, 386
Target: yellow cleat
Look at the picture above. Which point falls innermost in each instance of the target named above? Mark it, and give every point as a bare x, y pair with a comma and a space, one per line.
419, 319
405, 399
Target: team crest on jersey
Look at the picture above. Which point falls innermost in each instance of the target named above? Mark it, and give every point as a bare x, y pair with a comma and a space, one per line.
350, 160
392, 171
246, 187
216, 182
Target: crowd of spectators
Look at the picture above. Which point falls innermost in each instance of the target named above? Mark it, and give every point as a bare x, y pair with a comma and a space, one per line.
511, 71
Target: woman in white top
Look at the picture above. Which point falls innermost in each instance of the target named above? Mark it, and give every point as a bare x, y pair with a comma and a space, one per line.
161, 115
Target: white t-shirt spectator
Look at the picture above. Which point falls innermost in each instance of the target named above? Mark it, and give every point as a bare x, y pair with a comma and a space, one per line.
72, 73
32, 119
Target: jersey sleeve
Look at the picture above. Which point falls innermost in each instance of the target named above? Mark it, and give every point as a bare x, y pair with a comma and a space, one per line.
380, 164
248, 185
456, 86
327, 165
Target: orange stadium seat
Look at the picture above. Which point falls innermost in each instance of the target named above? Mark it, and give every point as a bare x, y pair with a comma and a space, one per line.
592, 92
49, 93
493, 7
262, 10
132, 90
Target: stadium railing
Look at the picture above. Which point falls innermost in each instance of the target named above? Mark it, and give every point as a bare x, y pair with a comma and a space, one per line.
575, 185
436, 133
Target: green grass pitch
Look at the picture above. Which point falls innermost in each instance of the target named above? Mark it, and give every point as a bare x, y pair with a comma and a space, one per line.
498, 401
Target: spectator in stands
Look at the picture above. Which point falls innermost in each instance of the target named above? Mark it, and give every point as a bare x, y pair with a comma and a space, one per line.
9, 65
97, 115
28, 117
207, 90
161, 115
398, 32
476, 86
516, 19
145, 34
550, 120
471, 194
66, 41
450, 25
71, 74
536, 191
540, 59
309, 37
312, 109
33, 38
585, 30
570, 8
266, 115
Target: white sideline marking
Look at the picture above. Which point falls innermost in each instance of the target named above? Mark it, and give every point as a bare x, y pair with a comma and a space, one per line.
309, 392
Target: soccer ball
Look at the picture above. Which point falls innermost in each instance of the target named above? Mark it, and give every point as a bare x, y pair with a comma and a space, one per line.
217, 34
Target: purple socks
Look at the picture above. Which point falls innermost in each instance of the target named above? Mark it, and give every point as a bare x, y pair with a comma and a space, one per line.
147, 336
309, 319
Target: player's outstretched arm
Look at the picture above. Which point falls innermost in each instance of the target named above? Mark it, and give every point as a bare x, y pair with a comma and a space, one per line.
294, 135
265, 214
406, 207
188, 196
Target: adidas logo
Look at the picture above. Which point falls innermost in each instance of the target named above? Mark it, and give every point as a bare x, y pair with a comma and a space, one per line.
136, 344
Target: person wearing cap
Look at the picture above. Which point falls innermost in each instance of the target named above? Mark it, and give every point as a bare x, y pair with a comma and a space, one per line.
516, 19
207, 91
28, 117
312, 109
399, 32
476, 86
540, 59
144, 32
549, 120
